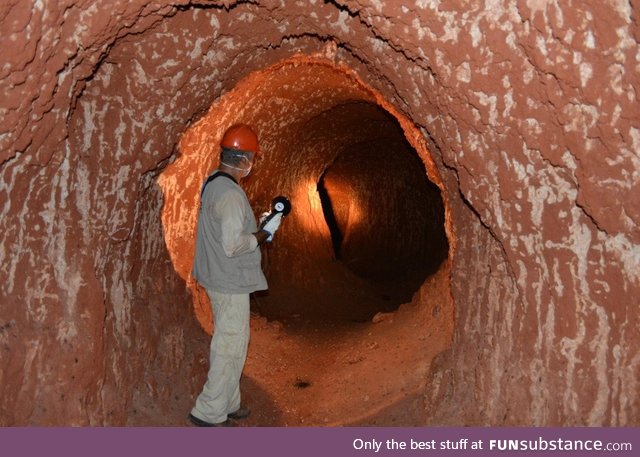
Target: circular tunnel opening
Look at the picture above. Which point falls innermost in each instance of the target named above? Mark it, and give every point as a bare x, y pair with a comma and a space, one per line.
368, 225
385, 218
358, 272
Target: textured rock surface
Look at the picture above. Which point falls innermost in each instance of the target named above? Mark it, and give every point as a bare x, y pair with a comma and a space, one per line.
531, 114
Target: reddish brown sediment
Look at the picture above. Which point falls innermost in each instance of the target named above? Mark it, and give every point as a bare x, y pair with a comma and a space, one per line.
522, 114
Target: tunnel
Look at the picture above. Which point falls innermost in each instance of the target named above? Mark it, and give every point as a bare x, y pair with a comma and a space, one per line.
463, 247
368, 224
347, 167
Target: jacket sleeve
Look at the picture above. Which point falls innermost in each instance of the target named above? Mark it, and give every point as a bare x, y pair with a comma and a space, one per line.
231, 210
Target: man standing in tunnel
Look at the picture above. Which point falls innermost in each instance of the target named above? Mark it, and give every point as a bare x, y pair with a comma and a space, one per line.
227, 264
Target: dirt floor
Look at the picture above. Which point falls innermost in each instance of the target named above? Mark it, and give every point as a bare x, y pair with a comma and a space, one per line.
304, 371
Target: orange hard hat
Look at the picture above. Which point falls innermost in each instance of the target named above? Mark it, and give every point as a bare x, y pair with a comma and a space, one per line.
240, 137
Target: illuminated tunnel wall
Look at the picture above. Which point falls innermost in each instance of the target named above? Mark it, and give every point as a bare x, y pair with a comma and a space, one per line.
524, 114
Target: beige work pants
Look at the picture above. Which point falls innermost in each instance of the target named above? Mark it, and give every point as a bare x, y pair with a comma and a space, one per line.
221, 393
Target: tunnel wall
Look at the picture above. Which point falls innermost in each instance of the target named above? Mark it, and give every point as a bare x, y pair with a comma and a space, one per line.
531, 113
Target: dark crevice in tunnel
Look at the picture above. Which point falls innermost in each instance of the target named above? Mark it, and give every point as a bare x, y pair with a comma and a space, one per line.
330, 218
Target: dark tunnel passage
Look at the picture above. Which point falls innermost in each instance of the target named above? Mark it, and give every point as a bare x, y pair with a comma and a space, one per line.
384, 222
385, 218
359, 265
381, 220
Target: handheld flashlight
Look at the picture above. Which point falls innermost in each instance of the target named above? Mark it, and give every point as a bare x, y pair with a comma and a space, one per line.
280, 204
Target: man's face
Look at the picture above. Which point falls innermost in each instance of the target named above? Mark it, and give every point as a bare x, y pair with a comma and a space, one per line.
247, 162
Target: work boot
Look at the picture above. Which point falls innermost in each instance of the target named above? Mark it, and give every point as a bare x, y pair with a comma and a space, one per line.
200, 423
241, 413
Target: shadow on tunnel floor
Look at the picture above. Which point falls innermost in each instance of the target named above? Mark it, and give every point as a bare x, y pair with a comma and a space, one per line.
339, 299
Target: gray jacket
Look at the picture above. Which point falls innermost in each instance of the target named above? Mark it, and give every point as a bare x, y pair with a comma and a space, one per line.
227, 257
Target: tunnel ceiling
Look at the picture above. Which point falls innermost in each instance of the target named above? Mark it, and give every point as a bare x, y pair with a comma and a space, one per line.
528, 110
